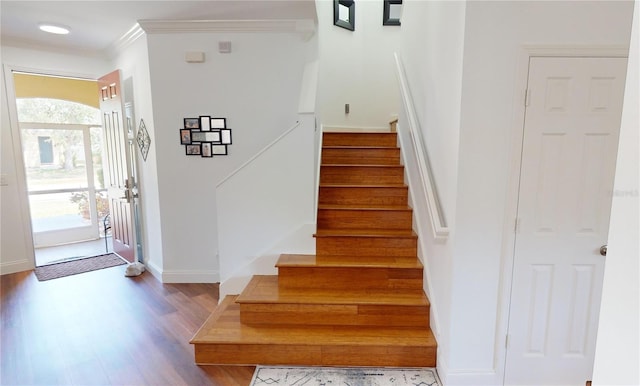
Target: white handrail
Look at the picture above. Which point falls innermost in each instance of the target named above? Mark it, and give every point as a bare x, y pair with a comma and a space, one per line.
318, 165
436, 215
258, 154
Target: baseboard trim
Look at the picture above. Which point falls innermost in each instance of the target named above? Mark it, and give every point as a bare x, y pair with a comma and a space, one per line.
154, 270
187, 276
466, 377
16, 266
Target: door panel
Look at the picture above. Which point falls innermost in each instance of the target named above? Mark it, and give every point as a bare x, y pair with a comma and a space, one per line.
568, 163
118, 179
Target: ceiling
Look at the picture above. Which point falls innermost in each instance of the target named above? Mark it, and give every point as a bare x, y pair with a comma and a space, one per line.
96, 26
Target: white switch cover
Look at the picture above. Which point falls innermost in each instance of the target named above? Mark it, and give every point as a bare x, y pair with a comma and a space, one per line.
4, 181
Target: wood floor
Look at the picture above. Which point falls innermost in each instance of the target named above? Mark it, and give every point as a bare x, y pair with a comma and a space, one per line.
101, 328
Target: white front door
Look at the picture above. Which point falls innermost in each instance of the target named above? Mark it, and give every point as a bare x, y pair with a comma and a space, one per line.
570, 142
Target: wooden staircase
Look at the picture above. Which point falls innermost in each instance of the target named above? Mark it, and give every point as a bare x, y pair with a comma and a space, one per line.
359, 301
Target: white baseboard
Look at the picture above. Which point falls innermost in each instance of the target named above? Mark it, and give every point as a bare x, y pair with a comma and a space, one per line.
187, 276
16, 266
464, 377
154, 270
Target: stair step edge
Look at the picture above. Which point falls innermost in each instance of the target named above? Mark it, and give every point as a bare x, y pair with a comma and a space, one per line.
309, 261
403, 208
381, 233
255, 293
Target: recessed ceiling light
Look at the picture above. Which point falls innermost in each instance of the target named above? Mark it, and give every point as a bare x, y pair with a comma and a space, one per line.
57, 29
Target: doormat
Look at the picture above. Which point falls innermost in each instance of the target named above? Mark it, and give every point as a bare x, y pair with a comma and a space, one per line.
360, 376
54, 271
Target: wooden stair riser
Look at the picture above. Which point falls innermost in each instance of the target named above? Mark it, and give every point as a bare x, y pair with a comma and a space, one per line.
366, 246
363, 195
364, 219
360, 156
360, 139
350, 277
363, 175
317, 355
334, 314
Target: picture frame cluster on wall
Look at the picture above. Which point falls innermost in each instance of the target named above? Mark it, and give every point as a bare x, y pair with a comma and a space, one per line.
205, 136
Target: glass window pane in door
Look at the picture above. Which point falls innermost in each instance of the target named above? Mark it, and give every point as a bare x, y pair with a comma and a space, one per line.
56, 211
96, 154
54, 159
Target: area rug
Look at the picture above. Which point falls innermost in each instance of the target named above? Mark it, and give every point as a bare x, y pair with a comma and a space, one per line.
344, 376
74, 267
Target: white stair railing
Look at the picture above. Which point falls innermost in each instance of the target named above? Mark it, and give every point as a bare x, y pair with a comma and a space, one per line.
427, 183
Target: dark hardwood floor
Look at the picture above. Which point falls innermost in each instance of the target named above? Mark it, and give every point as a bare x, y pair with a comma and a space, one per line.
101, 328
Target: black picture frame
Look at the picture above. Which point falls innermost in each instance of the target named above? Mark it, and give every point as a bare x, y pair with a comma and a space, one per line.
192, 123
218, 123
193, 149
386, 13
344, 14
205, 123
225, 137
185, 136
206, 150
219, 149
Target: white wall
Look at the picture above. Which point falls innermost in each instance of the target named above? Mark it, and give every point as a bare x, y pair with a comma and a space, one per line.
134, 64
491, 101
356, 67
432, 52
16, 245
283, 203
618, 344
256, 88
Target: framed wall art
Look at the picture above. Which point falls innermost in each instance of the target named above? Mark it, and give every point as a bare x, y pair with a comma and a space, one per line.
344, 14
205, 136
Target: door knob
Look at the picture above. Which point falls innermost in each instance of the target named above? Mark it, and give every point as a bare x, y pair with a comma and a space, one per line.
603, 250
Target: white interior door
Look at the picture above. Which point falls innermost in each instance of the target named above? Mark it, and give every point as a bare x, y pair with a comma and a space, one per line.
119, 181
571, 130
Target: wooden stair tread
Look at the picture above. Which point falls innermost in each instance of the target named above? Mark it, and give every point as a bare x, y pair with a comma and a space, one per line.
225, 327
406, 233
265, 289
295, 260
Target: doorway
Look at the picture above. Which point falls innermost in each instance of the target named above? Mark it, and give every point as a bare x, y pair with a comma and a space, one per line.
572, 119
62, 146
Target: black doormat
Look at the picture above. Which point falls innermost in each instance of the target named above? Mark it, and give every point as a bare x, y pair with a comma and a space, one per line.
74, 267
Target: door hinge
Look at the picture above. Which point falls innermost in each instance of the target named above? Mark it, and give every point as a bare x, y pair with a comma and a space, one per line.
527, 97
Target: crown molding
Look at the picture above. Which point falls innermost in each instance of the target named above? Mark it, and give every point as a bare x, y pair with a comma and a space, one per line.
124, 41
305, 27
